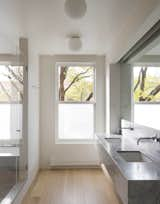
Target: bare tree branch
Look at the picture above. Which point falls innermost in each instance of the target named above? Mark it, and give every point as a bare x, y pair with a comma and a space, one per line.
153, 93
15, 75
138, 81
75, 79
5, 91
63, 75
142, 84
89, 97
20, 74
14, 85
17, 89
84, 77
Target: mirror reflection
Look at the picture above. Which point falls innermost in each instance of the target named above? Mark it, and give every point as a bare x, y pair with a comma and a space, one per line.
140, 87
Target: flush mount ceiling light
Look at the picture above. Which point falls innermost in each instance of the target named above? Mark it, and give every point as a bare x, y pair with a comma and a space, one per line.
75, 42
75, 8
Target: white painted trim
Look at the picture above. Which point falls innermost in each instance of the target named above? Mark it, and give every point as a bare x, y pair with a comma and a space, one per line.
147, 103
149, 64
57, 102
76, 141
74, 163
83, 166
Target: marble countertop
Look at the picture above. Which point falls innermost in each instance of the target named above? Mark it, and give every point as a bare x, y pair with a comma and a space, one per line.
133, 170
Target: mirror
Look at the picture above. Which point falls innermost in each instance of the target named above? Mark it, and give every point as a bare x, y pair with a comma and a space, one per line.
140, 87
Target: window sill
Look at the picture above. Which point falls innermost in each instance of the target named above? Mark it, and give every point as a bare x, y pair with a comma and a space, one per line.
80, 141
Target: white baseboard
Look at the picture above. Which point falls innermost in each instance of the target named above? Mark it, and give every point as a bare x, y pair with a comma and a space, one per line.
75, 167
61, 165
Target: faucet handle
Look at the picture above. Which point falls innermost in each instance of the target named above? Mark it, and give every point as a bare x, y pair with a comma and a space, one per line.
156, 138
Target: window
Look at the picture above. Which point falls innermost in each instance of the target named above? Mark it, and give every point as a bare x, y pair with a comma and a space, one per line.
147, 95
11, 97
147, 84
76, 102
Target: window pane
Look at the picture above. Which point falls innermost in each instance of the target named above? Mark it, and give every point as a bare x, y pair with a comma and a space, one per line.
147, 84
76, 121
76, 83
150, 110
147, 96
11, 96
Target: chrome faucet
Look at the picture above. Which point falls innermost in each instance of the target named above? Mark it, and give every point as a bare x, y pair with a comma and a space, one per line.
155, 138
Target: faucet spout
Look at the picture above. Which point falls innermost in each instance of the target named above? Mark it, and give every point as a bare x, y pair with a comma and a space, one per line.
157, 139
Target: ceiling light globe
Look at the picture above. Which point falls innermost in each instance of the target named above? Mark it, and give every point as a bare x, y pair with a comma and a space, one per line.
75, 43
75, 8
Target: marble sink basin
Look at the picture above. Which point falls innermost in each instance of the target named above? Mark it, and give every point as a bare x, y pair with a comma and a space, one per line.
134, 156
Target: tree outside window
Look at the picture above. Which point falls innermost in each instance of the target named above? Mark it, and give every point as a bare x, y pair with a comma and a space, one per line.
76, 84
11, 84
146, 84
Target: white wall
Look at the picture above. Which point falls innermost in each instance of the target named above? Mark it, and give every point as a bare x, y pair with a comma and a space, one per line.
67, 154
126, 92
12, 27
114, 97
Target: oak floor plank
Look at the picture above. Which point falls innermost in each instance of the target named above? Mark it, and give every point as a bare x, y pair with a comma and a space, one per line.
72, 186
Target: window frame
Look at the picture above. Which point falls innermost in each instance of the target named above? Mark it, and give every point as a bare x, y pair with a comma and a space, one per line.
57, 102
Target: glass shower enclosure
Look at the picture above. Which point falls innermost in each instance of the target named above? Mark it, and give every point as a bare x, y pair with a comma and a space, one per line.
13, 139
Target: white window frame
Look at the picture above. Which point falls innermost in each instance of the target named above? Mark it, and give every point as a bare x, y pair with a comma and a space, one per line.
57, 102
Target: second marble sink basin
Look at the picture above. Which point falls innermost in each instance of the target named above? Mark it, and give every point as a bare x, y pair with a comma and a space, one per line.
134, 156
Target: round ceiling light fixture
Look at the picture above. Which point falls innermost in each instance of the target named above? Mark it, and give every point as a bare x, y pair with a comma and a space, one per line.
75, 42
75, 8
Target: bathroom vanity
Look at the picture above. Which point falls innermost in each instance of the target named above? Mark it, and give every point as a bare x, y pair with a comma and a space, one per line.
134, 169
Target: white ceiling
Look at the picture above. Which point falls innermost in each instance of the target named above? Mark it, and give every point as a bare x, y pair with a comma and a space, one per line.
103, 24
107, 26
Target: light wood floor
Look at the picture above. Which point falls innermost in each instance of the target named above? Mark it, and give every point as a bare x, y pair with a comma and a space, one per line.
74, 186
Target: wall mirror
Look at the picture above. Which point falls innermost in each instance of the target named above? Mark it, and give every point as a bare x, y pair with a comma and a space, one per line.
140, 84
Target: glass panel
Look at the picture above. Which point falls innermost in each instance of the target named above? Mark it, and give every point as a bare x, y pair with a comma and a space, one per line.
11, 98
76, 83
76, 121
